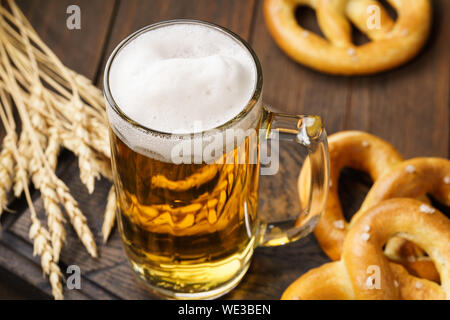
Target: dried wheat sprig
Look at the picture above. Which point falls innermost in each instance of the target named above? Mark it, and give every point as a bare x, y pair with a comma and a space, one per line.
47, 64
42, 247
47, 183
22, 164
77, 218
53, 147
40, 129
100, 161
110, 214
86, 93
98, 141
104, 167
41, 180
65, 93
7, 160
46, 112
55, 219
88, 172
38, 234
28, 32
70, 78
6, 168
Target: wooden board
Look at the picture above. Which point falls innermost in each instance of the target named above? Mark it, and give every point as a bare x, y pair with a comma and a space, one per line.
408, 106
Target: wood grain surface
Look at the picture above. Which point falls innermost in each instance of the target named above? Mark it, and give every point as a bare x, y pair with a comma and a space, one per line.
408, 106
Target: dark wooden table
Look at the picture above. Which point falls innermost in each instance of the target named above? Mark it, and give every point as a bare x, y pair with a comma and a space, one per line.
408, 106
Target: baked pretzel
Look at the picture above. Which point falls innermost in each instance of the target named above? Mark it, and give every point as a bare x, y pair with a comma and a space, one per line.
392, 43
411, 179
352, 277
358, 150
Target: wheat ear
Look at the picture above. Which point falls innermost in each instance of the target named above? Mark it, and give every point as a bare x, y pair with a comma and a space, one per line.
22, 164
77, 218
55, 219
6, 168
53, 147
88, 171
43, 248
110, 214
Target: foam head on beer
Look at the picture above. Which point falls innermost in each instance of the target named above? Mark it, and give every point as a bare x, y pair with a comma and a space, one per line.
182, 78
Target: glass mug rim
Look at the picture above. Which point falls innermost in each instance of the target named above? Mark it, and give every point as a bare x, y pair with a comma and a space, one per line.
256, 95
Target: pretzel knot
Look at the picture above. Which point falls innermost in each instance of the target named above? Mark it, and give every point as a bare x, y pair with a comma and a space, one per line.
412, 178
392, 43
360, 151
364, 272
393, 178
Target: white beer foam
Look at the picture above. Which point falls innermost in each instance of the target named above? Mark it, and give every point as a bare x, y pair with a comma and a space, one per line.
163, 146
168, 78
180, 79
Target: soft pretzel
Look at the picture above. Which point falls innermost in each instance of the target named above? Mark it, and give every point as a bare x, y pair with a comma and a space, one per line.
412, 178
352, 277
358, 150
392, 43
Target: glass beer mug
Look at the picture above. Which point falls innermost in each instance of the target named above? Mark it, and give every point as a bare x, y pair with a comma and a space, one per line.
187, 200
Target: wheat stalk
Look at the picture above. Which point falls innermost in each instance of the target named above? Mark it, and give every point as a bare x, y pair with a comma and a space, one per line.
110, 213
77, 218
88, 171
6, 168
55, 219
53, 147
21, 168
43, 248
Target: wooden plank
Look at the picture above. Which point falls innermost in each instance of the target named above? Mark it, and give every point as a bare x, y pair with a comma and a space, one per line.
13, 267
80, 50
409, 106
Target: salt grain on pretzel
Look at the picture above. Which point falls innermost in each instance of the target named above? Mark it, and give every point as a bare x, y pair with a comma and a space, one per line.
392, 42
365, 236
427, 209
339, 224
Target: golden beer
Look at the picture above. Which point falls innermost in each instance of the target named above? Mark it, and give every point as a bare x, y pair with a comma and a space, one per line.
187, 227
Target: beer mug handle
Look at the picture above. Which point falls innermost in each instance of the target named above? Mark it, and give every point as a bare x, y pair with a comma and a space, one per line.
309, 133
